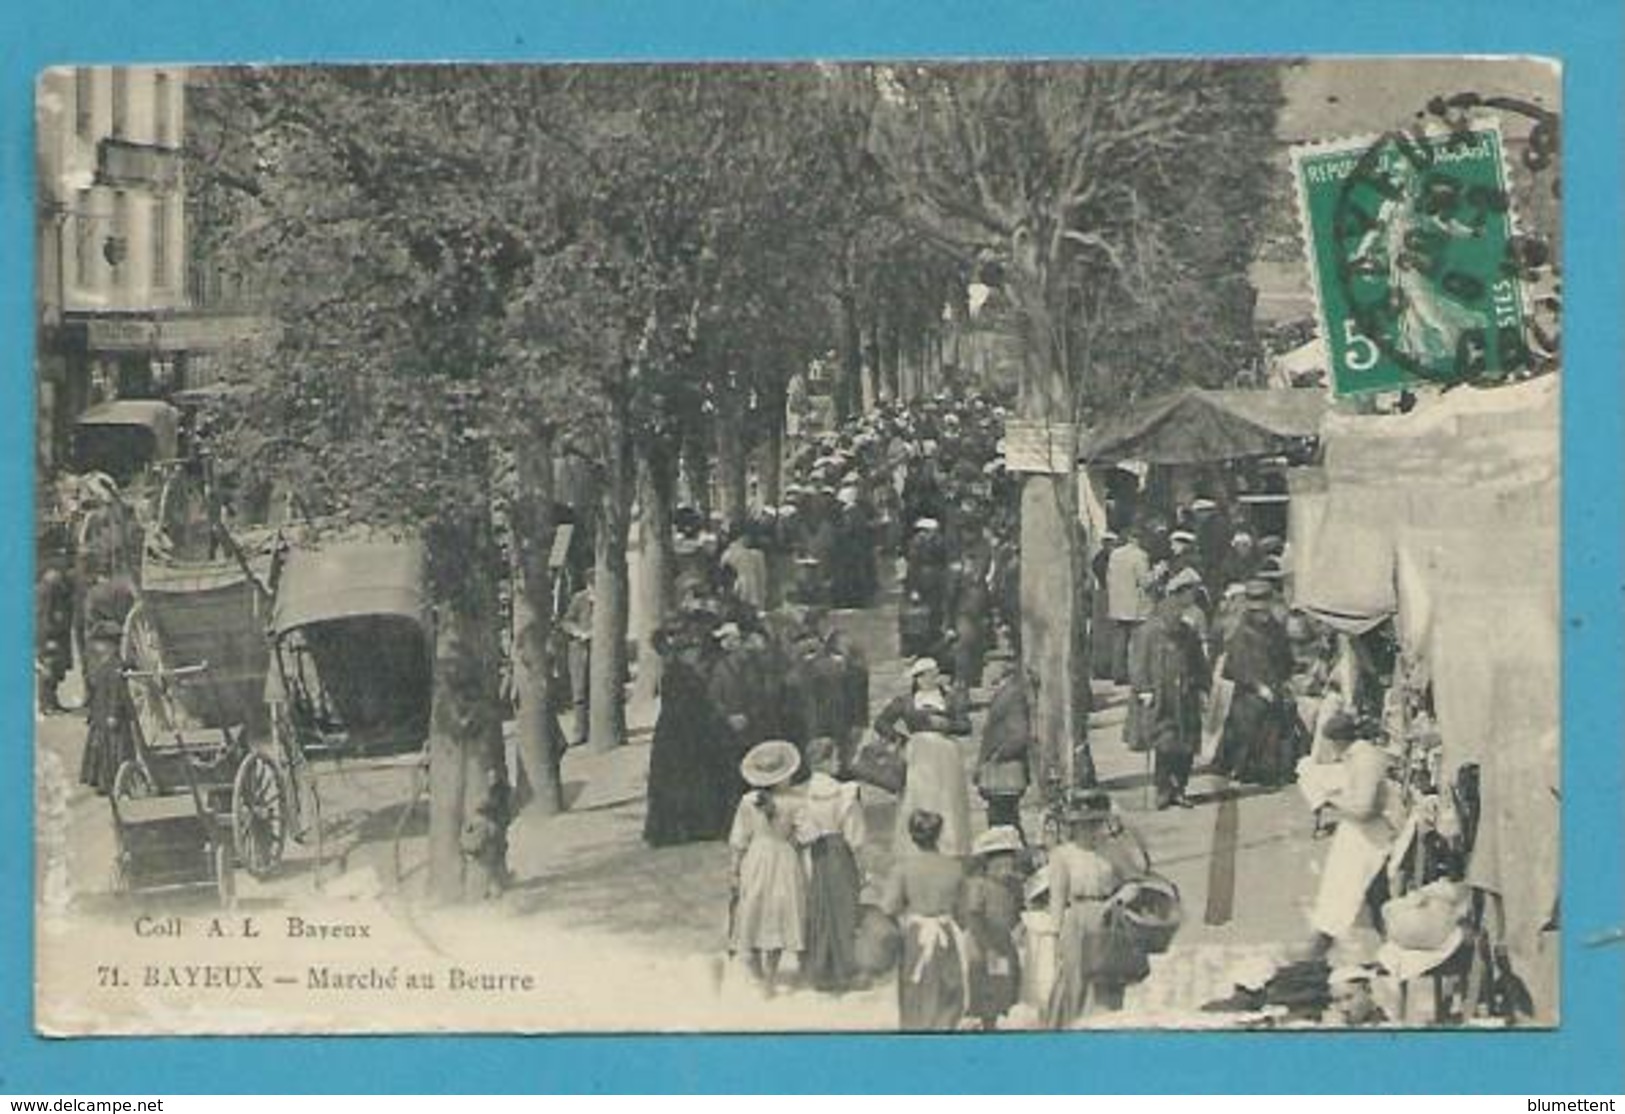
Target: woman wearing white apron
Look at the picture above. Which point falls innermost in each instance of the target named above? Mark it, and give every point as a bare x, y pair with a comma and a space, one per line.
937, 780
1364, 834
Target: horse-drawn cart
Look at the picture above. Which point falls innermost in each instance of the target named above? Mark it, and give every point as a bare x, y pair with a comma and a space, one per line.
201, 786
252, 678
352, 652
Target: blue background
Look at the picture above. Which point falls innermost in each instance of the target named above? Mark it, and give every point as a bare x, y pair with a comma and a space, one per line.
1585, 1055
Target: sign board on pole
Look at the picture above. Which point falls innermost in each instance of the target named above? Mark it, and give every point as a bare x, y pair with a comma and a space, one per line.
1045, 448
561, 545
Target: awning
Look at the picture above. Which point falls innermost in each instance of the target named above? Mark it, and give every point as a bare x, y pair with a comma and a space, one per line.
1199, 426
160, 418
1460, 492
349, 579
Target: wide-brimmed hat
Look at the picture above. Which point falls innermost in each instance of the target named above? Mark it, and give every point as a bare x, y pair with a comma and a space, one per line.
926, 524
922, 666
997, 840
1184, 537
771, 763
1204, 504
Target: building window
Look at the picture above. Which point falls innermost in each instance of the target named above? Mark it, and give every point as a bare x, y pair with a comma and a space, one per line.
160, 243
84, 240
84, 101
162, 109
121, 103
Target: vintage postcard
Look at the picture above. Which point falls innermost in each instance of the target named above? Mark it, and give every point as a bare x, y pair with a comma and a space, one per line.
968, 546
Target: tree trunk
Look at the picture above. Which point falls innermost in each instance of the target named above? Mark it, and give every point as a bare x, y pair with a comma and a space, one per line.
468, 785
849, 385
1054, 638
891, 355
653, 587
871, 362
696, 472
537, 736
731, 465
607, 672
772, 484
772, 416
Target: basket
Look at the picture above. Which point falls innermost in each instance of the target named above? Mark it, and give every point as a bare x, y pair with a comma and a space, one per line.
1155, 914
878, 942
879, 762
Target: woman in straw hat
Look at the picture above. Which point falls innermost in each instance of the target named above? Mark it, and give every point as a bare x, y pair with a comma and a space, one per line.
769, 892
1087, 874
990, 909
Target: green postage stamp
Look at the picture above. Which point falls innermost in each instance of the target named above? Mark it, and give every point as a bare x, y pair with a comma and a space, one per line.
1414, 257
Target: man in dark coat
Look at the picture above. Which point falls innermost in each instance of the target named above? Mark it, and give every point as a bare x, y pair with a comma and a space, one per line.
846, 658
1258, 743
852, 553
928, 571
816, 692
735, 691
1169, 673
1002, 766
971, 607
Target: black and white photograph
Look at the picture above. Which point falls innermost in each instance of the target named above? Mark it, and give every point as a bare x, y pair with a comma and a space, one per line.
906, 546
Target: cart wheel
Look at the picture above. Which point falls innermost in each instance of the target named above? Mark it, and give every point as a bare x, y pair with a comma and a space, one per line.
156, 715
132, 781
259, 815
225, 878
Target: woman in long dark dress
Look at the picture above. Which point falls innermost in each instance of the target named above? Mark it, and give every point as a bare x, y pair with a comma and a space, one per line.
690, 779
109, 713
830, 828
1261, 743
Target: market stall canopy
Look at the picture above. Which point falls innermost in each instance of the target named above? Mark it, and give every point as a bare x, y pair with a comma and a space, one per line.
1198, 426
350, 579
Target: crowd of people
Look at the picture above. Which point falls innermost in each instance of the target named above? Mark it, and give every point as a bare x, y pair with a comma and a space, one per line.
765, 734
85, 590
751, 653
1182, 611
